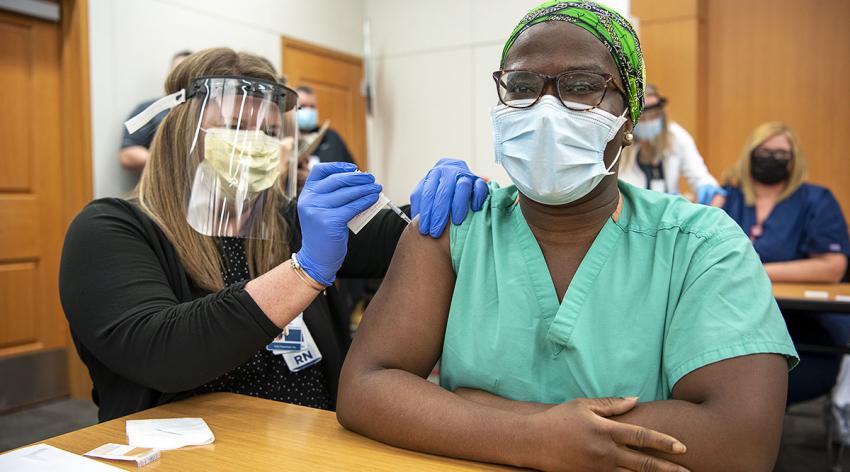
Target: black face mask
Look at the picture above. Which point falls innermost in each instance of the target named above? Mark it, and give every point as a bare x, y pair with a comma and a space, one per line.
768, 169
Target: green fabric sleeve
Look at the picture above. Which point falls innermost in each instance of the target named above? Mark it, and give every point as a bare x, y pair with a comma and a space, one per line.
726, 309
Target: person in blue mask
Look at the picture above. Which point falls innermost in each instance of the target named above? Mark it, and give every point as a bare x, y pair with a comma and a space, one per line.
663, 152
332, 148
800, 234
581, 323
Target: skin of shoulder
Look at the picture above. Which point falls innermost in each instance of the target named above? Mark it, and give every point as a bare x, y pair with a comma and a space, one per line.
404, 324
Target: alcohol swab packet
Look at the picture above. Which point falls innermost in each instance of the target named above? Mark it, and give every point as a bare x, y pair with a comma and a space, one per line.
142, 456
170, 433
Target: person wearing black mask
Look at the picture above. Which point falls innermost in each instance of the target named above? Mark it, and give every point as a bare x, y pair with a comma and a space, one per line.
800, 233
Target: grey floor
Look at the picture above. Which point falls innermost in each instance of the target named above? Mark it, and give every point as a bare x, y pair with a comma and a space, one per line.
803, 440
45, 421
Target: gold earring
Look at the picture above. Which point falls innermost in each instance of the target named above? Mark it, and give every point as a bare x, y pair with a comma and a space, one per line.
629, 138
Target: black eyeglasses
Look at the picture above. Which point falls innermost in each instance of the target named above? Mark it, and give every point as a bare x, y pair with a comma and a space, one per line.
578, 90
779, 154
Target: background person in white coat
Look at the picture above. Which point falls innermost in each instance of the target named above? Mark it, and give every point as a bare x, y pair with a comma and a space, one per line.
664, 152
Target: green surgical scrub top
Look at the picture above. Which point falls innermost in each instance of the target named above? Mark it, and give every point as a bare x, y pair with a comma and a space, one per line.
666, 289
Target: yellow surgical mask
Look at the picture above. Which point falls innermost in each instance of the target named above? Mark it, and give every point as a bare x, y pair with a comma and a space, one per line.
245, 161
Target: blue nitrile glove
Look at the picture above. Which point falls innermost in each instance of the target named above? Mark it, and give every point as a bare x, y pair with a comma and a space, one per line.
333, 194
447, 187
706, 193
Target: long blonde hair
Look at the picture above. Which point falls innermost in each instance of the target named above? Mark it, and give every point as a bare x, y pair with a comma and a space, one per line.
739, 175
649, 152
163, 191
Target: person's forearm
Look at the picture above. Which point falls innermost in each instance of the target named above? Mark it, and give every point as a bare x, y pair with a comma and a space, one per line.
714, 442
281, 294
134, 158
488, 399
174, 348
804, 271
429, 418
196, 342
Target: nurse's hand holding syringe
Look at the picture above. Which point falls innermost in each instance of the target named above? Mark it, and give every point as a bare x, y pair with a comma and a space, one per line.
337, 197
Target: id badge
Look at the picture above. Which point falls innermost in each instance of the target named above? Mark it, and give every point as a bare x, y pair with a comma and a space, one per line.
302, 359
291, 339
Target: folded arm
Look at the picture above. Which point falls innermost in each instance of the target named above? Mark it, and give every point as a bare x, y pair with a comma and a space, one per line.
728, 413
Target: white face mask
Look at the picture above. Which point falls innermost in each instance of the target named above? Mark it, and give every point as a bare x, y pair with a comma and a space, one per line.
551, 153
648, 130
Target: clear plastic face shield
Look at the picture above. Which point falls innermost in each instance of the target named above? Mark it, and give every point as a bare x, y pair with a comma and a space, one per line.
242, 155
246, 140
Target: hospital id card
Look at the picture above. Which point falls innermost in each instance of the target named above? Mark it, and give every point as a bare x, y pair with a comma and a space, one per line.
291, 339
300, 360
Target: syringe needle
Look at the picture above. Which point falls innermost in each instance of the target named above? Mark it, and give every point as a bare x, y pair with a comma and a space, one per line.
398, 212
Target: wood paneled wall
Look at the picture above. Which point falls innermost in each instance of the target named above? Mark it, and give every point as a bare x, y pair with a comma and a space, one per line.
779, 60
77, 143
336, 78
668, 31
730, 65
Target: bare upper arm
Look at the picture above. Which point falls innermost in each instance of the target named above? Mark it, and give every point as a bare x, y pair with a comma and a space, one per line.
403, 326
748, 395
739, 379
134, 157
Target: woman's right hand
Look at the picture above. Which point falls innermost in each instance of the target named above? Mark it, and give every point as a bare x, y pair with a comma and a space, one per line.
333, 194
576, 435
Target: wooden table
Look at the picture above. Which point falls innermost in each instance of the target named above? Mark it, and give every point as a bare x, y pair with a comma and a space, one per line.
804, 297
810, 298
256, 434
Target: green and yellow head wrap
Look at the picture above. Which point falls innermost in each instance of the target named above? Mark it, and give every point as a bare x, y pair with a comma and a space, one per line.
608, 26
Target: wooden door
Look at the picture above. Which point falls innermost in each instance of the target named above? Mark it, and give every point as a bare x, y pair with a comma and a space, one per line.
668, 31
33, 330
669, 38
336, 78
779, 60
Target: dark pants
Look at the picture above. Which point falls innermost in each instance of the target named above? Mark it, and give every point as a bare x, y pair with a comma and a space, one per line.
815, 374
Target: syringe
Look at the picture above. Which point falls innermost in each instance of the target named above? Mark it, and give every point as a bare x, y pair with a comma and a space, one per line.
398, 212
370, 212
359, 221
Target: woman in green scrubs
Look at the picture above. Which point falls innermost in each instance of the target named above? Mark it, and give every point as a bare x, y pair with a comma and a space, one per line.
581, 324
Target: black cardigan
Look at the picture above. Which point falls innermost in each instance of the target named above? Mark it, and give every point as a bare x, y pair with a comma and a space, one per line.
149, 335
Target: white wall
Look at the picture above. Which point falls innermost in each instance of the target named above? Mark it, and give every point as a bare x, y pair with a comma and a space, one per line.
131, 43
432, 69
433, 84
